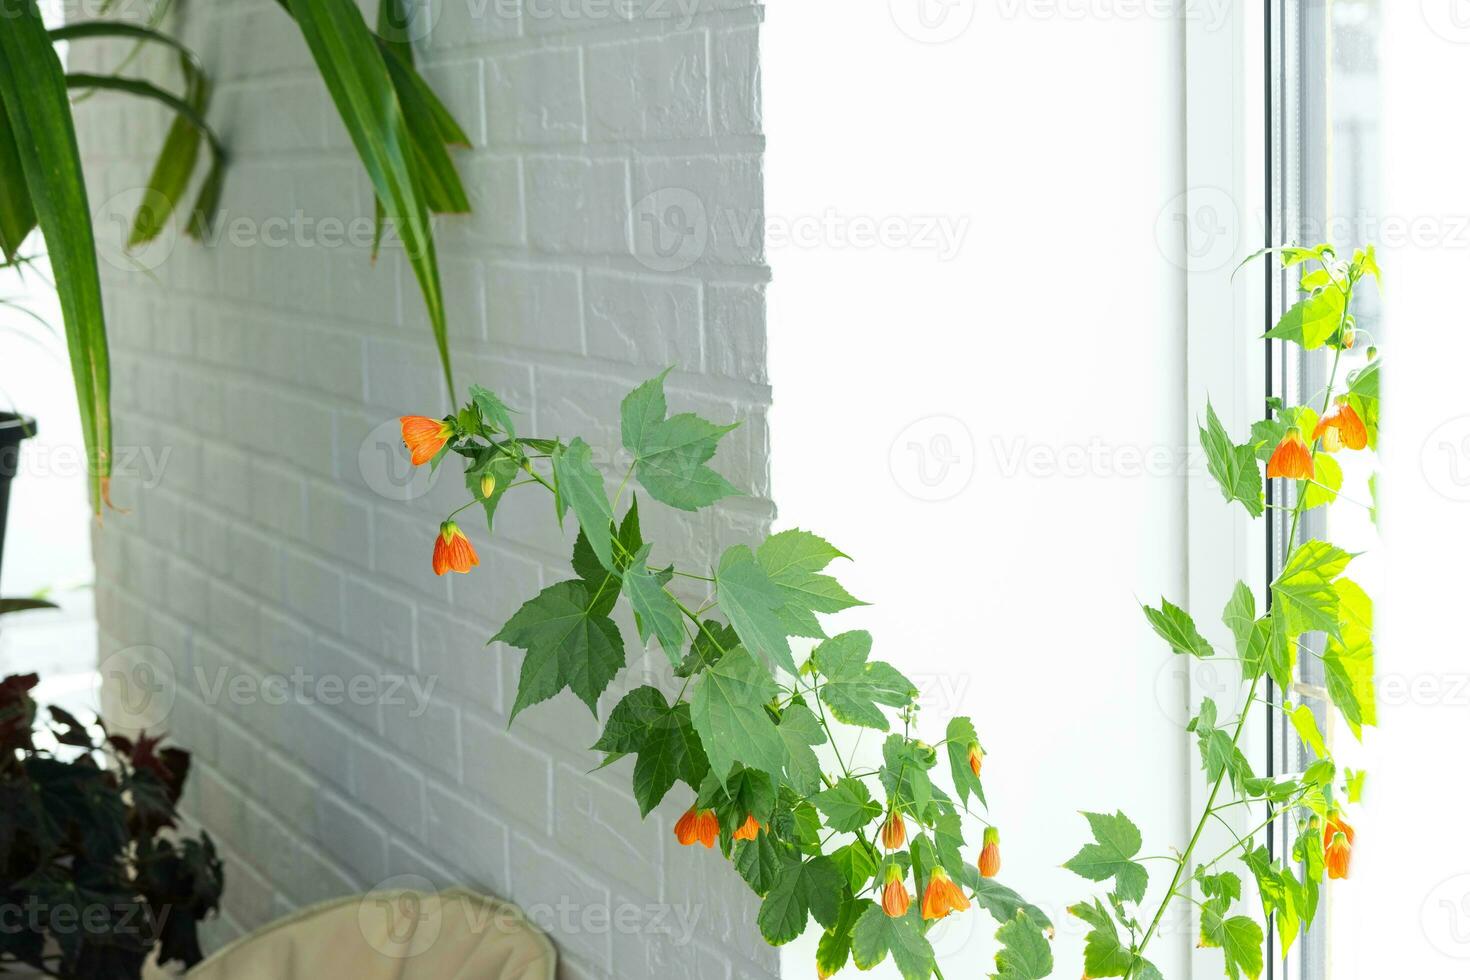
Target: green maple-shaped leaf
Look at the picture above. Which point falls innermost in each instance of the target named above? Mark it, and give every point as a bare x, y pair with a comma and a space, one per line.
1313, 321
1326, 482
812, 887
1233, 467
1025, 954
1003, 902
757, 862
493, 410
1348, 659
602, 583
800, 730
958, 738
662, 736
1304, 590
848, 806
1178, 630
876, 935
729, 713
858, 860
1117, 843
567, 643
580, 484
1238, 936
835, 946
1240, 617
1104, 955
657, 612
669, 454
854, 687
1217, 747
754, 605
905, 772
711, 641
793, 561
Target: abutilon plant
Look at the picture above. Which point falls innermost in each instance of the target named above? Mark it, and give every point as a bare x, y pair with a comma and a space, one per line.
876, 856
1309, 596
749, 738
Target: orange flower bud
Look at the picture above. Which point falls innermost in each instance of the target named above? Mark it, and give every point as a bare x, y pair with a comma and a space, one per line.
990, 854
701, 826
942, 896
1292, 458
894, 833
748, 830
424, 437
453, 551
895, 895
977, 756
1341, 426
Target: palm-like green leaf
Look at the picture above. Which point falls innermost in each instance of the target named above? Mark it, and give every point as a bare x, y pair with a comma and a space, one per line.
33, 90
357, 76
180, 153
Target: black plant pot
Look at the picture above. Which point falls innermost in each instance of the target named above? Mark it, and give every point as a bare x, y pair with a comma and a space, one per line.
13, 428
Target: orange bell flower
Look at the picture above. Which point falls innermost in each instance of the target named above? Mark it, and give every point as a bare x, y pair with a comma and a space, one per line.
748, 830
942, 896
977, 756
990, 854
895, 895
1337, 855
453, 551
1292, 458
697, 826
894, 833
1341, 426
424, 437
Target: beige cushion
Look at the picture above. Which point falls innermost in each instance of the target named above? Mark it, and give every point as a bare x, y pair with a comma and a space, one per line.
451, 935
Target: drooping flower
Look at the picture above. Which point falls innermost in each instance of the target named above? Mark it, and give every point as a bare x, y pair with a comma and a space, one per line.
894, 833
424, 437
697, 826
453, 551
990, 854
748, 830
1341, 426
1338, 853
1292, 458
942, 896
895, 895
977, 756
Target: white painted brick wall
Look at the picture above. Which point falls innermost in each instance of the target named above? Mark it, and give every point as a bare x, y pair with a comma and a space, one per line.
264, 545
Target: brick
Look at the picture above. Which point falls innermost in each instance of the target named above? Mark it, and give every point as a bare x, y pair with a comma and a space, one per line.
654, 88
577, 205
644, 320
